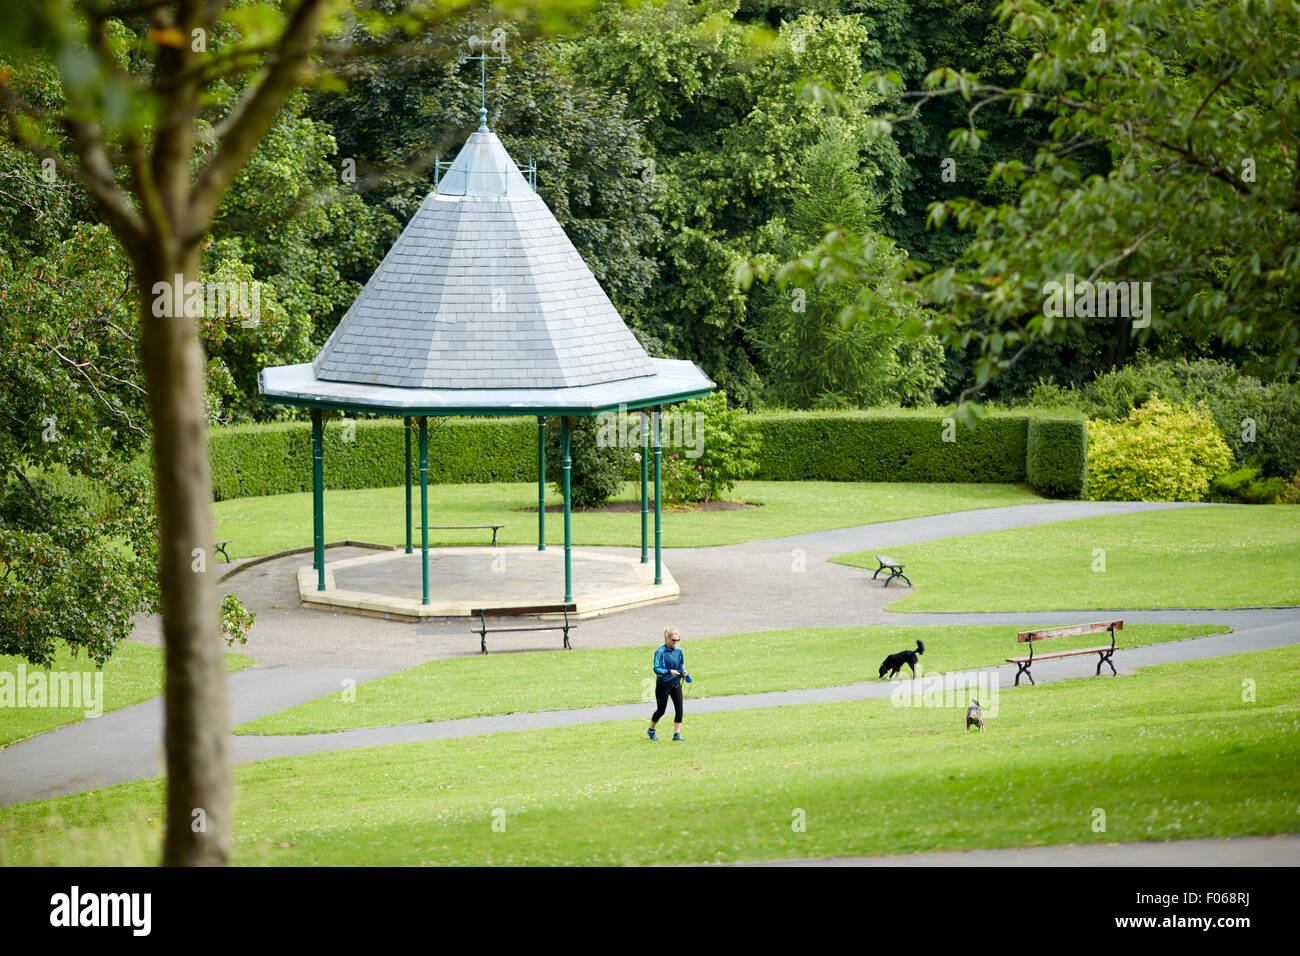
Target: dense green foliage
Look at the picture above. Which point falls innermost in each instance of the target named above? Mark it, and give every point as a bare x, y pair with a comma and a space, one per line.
731, 138
1193, 105
77, 546
1246, 486
814, 357
1260, 422
1156, 453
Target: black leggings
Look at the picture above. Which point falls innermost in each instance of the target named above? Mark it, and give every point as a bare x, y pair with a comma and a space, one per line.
662, 693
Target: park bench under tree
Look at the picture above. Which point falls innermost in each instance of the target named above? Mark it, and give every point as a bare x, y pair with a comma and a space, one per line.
483, 613
1105, 654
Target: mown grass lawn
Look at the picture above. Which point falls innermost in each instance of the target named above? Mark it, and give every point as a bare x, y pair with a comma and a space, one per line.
264, 525
1172, 752
134, 673
735, 664
1199, 557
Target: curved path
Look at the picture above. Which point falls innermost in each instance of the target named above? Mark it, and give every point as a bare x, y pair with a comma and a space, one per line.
1233, 851
312, 651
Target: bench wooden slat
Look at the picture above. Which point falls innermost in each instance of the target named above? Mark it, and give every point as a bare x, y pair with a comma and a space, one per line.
1044, 657
887, 562
521, 611
1069, 630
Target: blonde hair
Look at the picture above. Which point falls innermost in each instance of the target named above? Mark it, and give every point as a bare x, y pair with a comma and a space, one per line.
671, 632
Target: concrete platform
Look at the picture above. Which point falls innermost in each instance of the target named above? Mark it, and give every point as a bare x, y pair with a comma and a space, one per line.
388, 583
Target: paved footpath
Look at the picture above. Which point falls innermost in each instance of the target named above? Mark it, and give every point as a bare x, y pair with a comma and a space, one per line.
1236, 851
317, 651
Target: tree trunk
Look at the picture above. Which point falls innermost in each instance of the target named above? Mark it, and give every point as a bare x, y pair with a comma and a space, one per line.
196, 710
1121, 332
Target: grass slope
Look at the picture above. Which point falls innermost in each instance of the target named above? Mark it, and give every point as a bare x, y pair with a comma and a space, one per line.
279, 522
1172, 752
134, 673
735, 664
1199, 557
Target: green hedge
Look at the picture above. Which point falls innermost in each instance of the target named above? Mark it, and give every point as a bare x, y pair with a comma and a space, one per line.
1047, 449
254, 460
1057, 460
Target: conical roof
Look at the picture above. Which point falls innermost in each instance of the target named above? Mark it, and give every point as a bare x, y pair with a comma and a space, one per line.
482, 290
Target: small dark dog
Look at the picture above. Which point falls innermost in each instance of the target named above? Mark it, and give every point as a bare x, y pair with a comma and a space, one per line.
974, 716
894, 662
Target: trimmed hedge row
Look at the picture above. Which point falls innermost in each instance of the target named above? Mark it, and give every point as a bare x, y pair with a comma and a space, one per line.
1057, 460
1047, 449
889, 445
275, 459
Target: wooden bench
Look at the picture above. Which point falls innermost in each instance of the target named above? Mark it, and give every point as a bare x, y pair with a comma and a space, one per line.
469, 527
1105, 654
220, 548
483, 613
895, 569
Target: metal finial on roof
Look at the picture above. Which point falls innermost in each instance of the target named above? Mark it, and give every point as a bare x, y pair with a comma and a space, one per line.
496, 41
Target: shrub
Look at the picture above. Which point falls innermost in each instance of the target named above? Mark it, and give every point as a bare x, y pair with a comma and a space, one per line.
1289, 494
729, 445
1265, 491
1233, 485
681, 479
1260, 422
1157, 453
596, 468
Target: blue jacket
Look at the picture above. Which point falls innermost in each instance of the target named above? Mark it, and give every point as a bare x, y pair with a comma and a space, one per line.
669, 660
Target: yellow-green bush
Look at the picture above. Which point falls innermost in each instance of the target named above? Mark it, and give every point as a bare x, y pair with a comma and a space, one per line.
1157, 453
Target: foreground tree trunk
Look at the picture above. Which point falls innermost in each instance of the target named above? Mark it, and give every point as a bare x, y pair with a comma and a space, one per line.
196, 708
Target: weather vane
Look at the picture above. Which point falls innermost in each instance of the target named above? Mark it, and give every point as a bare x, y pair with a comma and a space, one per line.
496, 42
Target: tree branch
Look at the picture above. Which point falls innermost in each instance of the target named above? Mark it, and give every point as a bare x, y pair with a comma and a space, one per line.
257, 114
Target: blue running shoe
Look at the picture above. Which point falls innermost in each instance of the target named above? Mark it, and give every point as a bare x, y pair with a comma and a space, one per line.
677, 736
651, 733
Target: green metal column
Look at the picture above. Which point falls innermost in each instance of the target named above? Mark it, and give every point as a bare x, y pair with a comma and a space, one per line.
424, 507
318, 497
659, 449
645, 468
566, 435
541, 483
406, 422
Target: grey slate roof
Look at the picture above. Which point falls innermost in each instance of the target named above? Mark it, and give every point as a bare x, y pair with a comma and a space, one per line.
482, 290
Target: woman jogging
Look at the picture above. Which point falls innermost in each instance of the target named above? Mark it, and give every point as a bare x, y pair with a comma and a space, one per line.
670, 667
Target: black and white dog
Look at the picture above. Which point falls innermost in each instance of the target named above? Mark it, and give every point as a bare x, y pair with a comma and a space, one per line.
894, 662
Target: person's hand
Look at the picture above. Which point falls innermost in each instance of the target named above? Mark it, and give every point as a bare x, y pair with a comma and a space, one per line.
675, 672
